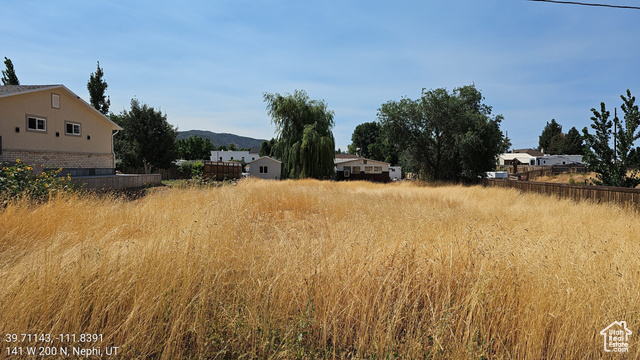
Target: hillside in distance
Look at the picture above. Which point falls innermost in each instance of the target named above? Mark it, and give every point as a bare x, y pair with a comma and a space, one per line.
222, 139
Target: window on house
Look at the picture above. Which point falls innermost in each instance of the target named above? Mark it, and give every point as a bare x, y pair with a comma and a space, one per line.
264, 169
346, 168
368, 169
355, 170
36, 124
72, 128
55, 101
377, 169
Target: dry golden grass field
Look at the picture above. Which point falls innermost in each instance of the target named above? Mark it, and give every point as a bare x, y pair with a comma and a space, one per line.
566, 178
313, 270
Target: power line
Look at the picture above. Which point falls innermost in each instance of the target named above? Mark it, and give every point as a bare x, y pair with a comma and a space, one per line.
588, 4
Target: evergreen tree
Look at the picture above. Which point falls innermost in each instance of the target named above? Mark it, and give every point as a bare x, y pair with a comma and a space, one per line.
612, 165
572, 143
9, 75
97, 87
550, 140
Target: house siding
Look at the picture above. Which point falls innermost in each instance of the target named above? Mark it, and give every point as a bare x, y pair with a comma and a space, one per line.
53, 148
383, 177
274, 169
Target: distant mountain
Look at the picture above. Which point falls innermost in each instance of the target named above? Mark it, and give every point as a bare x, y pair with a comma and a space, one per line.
222, 139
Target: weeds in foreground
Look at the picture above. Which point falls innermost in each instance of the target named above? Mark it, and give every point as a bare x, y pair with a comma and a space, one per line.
19, 181
308, 269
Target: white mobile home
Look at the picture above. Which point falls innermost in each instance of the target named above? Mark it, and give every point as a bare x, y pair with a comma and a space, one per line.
556, 160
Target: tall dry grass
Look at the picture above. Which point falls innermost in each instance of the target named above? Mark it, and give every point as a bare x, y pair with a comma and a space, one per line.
307, 269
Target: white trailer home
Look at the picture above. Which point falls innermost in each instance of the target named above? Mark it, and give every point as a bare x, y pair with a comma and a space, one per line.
556, 160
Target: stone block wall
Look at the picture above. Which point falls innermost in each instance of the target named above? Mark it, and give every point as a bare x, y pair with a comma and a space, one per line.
54, 159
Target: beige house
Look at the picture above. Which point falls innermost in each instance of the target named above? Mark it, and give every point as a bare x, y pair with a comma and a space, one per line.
266, 168
362, 169
51, 126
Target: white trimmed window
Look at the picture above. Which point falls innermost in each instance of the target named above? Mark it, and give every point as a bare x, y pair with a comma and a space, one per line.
71, 128
377, 169
55, 101
368, 169
36, 124
355, 170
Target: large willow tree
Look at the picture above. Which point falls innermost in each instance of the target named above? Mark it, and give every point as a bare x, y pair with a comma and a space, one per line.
305, 143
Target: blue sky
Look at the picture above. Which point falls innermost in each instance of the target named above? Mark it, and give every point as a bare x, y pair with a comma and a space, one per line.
207, 63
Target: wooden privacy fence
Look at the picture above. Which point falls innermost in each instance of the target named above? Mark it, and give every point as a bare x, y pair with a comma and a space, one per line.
519, 168
623, 196
551, 170
222, 170
166, 174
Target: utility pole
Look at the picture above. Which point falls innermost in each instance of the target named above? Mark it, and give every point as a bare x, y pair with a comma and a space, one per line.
615, 134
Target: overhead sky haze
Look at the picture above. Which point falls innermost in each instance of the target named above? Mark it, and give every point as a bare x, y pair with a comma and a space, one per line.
207, 63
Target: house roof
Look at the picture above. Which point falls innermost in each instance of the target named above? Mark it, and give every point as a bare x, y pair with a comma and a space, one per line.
266, 158
341, 158
346, 156
360, 159
8, 90
532, 152
13, 90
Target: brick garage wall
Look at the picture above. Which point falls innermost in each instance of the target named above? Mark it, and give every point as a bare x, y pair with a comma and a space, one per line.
53, 159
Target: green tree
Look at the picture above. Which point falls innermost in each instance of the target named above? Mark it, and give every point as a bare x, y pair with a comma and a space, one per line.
9, 75
305, 142
364, 139
572, 143
613, 165
233, 147
266, 147
370, 140
448, 136
194, 148
147, 139
97, 87
551, 139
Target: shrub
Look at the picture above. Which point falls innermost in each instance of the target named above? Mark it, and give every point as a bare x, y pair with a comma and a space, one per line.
19, 181
191, 169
